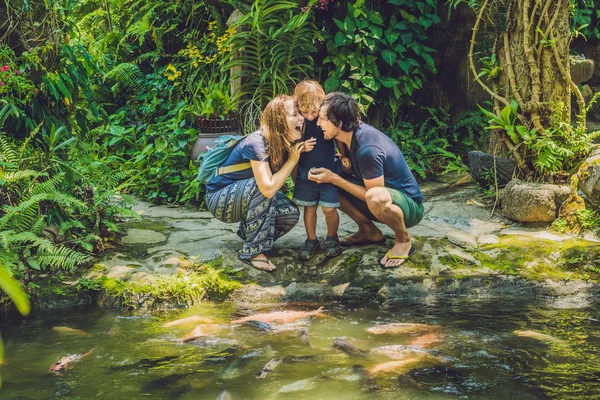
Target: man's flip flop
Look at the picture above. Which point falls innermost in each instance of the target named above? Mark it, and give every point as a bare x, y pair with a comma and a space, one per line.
344, 242
393, 257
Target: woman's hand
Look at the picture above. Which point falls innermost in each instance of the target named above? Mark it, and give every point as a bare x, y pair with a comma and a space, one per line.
296, 150
321, 175
309, 144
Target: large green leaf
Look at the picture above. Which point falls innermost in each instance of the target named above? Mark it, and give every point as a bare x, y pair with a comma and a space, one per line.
389, 56
332, 84
15, 292
388, 81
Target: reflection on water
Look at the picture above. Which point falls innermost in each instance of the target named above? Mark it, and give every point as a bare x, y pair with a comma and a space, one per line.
492, 349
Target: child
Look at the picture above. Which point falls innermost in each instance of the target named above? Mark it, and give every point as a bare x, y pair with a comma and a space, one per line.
309, 194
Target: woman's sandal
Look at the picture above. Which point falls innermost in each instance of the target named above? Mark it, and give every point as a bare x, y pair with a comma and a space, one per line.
267, 265
308, 249
332, 246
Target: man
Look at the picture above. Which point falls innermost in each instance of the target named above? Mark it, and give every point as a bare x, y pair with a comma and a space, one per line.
382, 187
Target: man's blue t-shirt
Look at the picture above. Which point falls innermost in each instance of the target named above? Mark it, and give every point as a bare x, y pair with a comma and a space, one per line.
374, 154
252, 147
322, 155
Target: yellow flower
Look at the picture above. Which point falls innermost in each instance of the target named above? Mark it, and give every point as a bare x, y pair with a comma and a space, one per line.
212, 25
171, 72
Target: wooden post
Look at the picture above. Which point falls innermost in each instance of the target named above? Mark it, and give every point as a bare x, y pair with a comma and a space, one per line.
236, 83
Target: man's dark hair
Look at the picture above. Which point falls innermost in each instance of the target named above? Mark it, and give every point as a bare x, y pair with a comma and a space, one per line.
342, 111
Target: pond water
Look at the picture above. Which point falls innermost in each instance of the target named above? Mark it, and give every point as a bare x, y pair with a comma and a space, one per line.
484, 349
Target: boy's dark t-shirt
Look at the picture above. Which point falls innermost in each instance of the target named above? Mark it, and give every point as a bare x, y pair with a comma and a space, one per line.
252, 147
373, 154
322, 155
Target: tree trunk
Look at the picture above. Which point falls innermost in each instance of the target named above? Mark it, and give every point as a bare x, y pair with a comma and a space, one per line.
533, 53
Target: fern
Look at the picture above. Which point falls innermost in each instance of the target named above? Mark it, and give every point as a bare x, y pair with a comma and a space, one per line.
49, 186
127, 77
271, 52
25, 174
7, 152
60, 257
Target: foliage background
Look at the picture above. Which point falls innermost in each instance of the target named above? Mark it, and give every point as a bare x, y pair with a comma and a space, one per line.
99, 98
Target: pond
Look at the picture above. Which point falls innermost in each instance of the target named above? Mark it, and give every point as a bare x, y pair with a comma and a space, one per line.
441, 349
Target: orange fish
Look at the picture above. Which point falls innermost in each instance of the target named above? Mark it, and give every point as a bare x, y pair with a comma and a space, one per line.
399, 366
282, 317
67, 362
194, 319
401, 328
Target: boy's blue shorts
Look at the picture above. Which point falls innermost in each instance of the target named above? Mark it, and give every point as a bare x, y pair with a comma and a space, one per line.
309, 193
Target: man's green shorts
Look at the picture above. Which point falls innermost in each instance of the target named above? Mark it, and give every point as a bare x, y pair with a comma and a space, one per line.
413, 211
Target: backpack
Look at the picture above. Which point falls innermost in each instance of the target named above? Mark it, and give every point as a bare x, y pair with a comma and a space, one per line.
213, 158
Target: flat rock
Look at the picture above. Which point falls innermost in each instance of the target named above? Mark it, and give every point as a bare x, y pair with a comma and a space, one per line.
119, 272
142, 236
535, 234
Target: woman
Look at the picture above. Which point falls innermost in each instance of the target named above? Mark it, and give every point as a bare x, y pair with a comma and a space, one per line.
252, 196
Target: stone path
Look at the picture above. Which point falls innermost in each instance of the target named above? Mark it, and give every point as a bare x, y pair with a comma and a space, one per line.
460, 251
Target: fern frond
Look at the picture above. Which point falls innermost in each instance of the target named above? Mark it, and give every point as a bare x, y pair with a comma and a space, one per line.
12, 177
60, 257
127, 76
49, 186
38, 226
26, 211
68, 225
8, 152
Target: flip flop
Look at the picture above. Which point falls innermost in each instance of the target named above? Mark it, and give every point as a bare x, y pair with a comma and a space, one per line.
345, 242
393, 257
249, 262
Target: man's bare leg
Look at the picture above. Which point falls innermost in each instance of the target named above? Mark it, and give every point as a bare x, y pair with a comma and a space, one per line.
380, 203
367, 231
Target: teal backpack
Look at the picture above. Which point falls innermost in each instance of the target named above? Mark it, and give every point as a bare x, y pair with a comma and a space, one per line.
213, 158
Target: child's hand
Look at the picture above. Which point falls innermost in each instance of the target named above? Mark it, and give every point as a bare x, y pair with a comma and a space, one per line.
346, 165
309, 145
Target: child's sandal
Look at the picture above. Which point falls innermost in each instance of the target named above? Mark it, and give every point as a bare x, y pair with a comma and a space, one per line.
308, 249
332, 246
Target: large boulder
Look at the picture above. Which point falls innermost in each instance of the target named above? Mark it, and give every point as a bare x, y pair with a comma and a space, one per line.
532, 202
582, 69
589, 178
482, 163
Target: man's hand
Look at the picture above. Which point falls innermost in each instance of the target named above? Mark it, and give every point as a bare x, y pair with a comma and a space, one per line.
321, 175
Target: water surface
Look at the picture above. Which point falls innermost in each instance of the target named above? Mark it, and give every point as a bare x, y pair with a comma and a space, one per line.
475, 354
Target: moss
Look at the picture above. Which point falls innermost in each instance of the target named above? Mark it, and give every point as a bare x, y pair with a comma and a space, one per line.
538, 259
351, 266
453, 261
174, 290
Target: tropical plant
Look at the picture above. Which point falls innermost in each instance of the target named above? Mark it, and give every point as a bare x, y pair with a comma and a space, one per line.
28, 196
12, 288
585, 19
426, 145
530, 84
558, 148
378, 52
271, 50
212, 101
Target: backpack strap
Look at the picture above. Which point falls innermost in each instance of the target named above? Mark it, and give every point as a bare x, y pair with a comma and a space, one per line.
233, 168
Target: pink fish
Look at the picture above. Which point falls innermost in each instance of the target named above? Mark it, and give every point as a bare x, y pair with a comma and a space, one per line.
401, 328
67, 362
399, 366
194, 319
282, 317
426, 340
